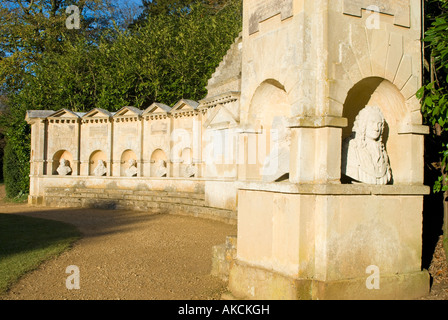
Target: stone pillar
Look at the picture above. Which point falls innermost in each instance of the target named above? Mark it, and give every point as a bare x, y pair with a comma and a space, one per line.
84, 167
77, 149
176, 165
316, 149
50, 167
109, 151
116, 168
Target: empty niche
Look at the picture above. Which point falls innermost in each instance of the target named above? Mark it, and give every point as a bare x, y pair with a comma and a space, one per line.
128, 164
268, 149
62, 163
372, 150
97, 164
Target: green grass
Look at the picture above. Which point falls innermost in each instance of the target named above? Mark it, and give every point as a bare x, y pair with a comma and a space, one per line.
26, 242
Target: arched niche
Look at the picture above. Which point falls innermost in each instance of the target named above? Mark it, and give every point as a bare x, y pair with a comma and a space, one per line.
269, 105
159, 164
94, 163
128, 162
381, 93
57, 163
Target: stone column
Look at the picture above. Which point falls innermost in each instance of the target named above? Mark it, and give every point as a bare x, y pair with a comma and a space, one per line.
109, 152
316, 144
84, 167
77, 154
50, 167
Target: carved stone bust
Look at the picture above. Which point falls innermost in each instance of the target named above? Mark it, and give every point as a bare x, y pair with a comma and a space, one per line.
190, 170
161, 169
100, 169
131, 171
364, 156
63, 169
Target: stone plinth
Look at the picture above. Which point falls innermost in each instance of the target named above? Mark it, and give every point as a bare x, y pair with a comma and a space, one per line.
318, 242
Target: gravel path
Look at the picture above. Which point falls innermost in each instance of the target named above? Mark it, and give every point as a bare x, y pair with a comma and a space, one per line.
127, 255
135, 255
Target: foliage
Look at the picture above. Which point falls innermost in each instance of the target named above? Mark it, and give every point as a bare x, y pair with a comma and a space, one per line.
15, 164
163, 58
434, 93
434, 98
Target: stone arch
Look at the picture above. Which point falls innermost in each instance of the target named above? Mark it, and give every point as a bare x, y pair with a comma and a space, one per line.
376, 91
125, 159
269, 100
62, 154
94, 158
269, 103
382, 54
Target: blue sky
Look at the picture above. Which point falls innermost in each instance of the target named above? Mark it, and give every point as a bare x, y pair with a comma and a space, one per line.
139, 2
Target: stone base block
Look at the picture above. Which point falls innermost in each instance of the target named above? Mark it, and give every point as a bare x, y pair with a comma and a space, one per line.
35, 200
254, 283
222, 257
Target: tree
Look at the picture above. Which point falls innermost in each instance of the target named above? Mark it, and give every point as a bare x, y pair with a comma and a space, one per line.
164, 58
33, 31
178, 7
434, 97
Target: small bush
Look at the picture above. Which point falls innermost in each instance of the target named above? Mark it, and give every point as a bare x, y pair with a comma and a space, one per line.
15, 172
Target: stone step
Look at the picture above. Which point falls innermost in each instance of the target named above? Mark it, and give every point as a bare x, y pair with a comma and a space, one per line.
91, 193
181, 203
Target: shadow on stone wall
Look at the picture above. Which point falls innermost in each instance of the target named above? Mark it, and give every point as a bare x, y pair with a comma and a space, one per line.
432, 206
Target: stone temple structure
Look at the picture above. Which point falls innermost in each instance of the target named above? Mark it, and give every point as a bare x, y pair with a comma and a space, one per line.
310, 140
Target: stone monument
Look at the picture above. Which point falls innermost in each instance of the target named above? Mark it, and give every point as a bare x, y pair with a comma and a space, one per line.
314, 236
310, 139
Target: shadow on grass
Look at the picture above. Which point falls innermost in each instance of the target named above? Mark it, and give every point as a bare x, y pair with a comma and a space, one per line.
26, 242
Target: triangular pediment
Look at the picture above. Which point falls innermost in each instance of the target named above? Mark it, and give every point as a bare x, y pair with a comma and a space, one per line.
98, 113
221, 118
185, 105
157, 108
64, 113
128, 112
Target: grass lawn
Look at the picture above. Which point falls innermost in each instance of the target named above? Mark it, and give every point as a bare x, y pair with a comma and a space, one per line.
26, 242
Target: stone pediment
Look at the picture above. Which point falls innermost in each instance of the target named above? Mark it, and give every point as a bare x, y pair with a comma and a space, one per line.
185, 105
221, 118
98, 113
65, 113
128, 112
157, 108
